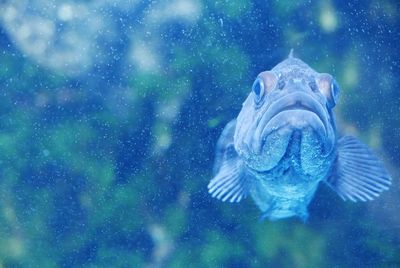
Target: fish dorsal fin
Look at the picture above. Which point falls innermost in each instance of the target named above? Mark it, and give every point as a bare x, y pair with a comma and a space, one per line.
229, 182
291, 53
358, 175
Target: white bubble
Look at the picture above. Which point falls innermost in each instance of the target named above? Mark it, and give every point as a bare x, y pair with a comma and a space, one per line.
46, 152
65, 12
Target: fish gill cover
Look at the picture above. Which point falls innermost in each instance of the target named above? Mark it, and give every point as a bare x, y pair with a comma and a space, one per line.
110, 112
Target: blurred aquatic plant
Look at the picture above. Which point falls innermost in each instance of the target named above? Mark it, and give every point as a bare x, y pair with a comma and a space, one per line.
81, 37
105, 161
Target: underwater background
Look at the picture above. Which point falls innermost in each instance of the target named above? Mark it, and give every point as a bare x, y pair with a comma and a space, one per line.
110, 112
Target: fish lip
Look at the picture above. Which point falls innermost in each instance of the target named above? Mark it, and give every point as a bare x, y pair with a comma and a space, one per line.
301, 101
299, 106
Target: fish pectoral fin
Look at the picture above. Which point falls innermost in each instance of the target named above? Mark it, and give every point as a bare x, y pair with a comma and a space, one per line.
358, 175
229, 182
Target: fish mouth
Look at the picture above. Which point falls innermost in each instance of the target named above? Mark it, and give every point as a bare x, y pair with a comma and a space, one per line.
299, 101
298, 108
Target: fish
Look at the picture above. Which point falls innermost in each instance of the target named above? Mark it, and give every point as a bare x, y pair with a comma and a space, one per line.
285, 142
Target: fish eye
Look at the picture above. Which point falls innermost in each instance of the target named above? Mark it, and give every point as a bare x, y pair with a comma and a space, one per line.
329, 88
263, 85
258, 89
335, 90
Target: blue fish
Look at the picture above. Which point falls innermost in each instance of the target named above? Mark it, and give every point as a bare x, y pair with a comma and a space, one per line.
284, 143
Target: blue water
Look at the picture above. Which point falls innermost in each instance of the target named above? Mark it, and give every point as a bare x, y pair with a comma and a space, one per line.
110, 112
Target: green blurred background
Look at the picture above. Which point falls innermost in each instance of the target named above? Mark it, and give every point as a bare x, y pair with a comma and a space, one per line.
108, 165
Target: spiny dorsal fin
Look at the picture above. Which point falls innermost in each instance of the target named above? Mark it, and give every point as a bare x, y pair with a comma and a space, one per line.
291, 56
358, 174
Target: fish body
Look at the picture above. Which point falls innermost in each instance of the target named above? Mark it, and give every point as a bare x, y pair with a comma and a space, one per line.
284, 143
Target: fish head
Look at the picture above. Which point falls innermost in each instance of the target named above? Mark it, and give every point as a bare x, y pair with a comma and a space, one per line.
288, 114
